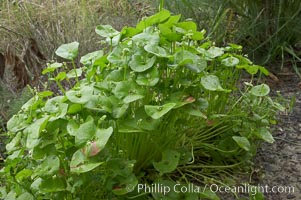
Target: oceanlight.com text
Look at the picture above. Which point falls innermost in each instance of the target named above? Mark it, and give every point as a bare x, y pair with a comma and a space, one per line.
191, 188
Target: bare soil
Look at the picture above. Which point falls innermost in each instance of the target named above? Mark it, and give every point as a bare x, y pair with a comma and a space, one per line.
279, 164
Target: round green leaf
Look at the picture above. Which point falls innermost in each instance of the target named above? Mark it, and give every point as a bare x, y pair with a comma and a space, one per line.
260, 90
106, 31
89, 58
156, 50
99, 103
52, 105
68, 51
116, 56
141, 63
80, 96
169, 162
149, 77
156, 112
129, 91
214, 52
52, 67
197, 66
144, 38
74, 73
211, 82
56, 107
185, 57
230, 61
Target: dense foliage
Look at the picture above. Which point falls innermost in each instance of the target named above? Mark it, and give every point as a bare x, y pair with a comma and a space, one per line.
160, 101
268, 29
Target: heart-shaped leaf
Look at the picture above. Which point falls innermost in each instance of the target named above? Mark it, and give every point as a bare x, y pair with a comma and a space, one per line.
141, 122
144, 38
48, 167
251, 69
89, 58
80, 163
33, 132
53, 184
52, 105
185, 57
149, 77
230, 61
81, 95
23, 174
61, 76
260, 90
156, 50
211, 82
13, 144
102, 137
197, 66
52, 67
154, 19
188, 26
74, 73
119, 108
169, 162
141, 63
68, 51
243, 142
158, 111
129, 91
56, 107
264, 133
17, 122
85, 132
99, 103
214, 52
116, 56
106, 31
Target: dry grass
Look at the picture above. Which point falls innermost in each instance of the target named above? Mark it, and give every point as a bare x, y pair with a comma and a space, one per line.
52, 23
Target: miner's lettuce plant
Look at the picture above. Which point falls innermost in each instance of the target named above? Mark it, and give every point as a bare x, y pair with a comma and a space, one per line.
160, 97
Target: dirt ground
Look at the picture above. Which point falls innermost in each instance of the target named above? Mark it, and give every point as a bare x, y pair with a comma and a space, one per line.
279, 164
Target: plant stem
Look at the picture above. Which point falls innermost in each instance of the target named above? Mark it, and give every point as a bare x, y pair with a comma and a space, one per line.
74, 67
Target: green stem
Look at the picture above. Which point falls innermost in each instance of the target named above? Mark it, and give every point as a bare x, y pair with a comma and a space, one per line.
161, 5
74, 67
60, 86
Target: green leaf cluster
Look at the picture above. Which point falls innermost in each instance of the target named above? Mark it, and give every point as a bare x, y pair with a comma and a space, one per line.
160, 97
